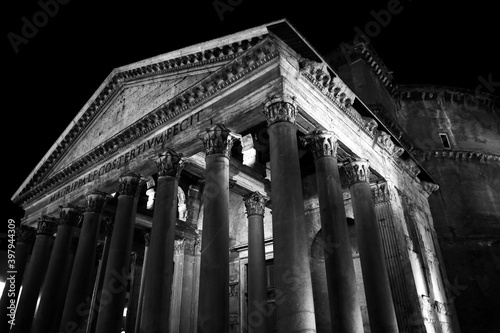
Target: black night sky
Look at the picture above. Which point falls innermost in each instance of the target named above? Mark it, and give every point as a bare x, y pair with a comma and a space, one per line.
53, 72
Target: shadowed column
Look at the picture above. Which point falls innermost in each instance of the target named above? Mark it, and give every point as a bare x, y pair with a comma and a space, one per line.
116, 276
34, 275
371, 252
160, 268
25, 237
99, 279
214, 272
52, 294
257, 282
147, 239
75, 307
345, 310
294, 295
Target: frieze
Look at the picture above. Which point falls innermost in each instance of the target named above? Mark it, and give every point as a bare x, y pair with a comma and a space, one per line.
261, 51
321, 143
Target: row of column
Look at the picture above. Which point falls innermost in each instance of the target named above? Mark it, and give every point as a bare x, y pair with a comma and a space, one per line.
295, 307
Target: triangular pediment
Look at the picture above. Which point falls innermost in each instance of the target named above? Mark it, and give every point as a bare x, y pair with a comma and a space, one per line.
130, 104
136, 98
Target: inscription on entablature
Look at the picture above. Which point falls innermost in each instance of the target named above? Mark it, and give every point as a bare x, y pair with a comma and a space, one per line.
125, 158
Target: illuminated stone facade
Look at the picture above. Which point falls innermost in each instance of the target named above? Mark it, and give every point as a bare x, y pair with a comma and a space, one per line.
264, 184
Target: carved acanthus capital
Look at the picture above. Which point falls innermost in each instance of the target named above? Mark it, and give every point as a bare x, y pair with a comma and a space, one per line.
46, 226
279, 108
321, 143
358, 171
218, 139
95, 201
179, 246
380, 192
25, 234
130, 184
170, 163
70, 215
255, 203
429, 187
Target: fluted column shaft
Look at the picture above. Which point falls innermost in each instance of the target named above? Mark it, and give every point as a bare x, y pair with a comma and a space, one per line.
52, 294
371, 252
294, 303
345, 310
257, 282
25, 237
81, 274
160, 264
214, 270
116, 276
34, 275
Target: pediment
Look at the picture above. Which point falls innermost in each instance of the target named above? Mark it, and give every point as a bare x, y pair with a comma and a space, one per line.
130, 104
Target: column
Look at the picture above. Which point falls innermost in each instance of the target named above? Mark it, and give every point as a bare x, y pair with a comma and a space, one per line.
214, 271
52, 294
34, 275
147, 239
81, 274
292, 273
116, 275
371, 252
257, 281
345, 310
158, 283
25, 237
99, 279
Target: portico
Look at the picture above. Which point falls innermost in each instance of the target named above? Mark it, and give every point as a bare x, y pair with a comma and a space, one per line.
264, 92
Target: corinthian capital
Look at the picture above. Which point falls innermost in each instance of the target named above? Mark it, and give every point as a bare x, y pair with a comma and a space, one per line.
170, 163
25, 234
218, 139
46, 226
321, 143
255, 203
280, 108
358, 171
70, 215
95, 201
130, 184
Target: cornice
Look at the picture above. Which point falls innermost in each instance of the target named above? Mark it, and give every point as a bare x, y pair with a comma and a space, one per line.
337, 91
458, 155
447, 94
241, 59
366, 52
